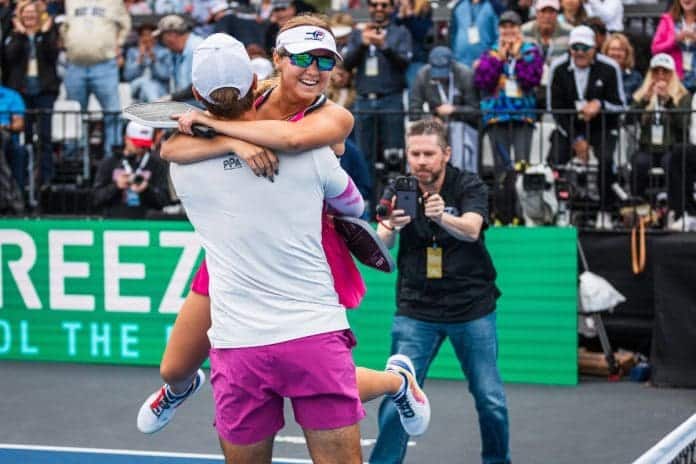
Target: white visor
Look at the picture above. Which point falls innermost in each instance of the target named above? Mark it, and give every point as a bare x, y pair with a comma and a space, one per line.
221, 61
303, 39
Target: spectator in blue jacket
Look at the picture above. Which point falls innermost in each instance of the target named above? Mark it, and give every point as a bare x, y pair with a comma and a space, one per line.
474, 30
148, 67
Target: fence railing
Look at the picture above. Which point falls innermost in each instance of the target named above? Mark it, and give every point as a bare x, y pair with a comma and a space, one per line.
620, 167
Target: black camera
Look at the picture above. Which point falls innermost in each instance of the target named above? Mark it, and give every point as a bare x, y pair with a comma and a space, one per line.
137, 179
534, 182
406, 188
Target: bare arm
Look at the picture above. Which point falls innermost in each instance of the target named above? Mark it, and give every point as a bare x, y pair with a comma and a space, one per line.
466, 227
182, 149
327, 126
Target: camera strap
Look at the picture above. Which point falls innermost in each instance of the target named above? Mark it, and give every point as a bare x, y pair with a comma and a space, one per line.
143, 162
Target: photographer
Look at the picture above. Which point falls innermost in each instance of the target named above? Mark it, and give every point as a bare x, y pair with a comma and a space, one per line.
445, 287
127, 187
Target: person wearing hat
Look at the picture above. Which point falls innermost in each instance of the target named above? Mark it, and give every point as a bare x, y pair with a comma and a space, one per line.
148, 67
128, 186
590, 84
379, 53
660, 131
290, 334
175, 34
474, 30
550, 35
447, 88
93, 32
281, 12
508, 76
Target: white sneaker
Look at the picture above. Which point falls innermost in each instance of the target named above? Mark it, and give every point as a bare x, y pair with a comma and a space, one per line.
686, 223
411, 402
159, 408
603, 221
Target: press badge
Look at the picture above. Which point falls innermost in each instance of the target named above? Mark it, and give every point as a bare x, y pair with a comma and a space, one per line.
434, 262
372, 66
657, 134
511, 87
474, 36
688, 60
545, 75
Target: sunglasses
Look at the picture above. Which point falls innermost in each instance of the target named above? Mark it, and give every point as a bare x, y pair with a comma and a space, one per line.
378, 5
578, 47
304, 60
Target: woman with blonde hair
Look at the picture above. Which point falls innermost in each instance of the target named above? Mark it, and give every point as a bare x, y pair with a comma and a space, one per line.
292, 115
29, 64
660, 130
619, 48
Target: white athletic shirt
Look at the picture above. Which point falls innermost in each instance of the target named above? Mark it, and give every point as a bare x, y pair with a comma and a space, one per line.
269, 279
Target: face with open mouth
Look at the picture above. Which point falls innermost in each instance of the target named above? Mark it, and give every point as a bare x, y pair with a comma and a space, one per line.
306, 82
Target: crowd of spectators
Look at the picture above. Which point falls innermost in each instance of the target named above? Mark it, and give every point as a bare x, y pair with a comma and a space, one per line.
497, 69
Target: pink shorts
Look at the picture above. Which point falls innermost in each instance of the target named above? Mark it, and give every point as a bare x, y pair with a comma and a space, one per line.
317, 373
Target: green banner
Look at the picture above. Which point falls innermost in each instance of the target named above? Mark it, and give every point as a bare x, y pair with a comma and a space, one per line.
108, 292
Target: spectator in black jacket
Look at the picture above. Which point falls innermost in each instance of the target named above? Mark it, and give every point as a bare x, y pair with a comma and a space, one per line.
381, 53
589, 83
29, 63
127, 187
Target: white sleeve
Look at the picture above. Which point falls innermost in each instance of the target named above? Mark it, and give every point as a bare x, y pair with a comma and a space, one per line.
334, 179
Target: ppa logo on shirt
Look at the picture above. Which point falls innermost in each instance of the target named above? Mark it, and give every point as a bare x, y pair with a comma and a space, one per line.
231, 162
314, 35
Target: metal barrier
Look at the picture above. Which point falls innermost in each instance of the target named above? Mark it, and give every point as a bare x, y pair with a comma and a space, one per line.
607, 180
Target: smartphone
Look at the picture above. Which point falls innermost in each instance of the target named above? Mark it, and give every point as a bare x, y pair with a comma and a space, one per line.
406, 188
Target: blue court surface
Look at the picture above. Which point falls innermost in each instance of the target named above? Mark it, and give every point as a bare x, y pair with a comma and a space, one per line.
28, 454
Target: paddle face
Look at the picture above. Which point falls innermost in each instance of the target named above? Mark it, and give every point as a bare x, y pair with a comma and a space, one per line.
364, 243
159, 116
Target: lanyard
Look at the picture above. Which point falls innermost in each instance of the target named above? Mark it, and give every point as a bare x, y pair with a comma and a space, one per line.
444, 98
511, 67
143, 162
658, 109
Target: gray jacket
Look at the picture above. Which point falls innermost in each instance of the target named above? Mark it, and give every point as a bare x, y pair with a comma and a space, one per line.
465, 98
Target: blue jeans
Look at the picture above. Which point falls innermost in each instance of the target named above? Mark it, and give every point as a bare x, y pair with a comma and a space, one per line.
388, 129
476, 346
101, 79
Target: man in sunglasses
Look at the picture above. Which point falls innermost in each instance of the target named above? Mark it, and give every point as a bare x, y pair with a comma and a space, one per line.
590, 84
381, 52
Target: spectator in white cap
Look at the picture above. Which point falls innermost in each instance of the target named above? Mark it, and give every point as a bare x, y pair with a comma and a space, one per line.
660, 131
130, 186
550, 35
589, 83
175, 34
547, 31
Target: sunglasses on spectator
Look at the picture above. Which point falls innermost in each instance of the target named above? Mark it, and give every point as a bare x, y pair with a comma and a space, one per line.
578, 47
304, 60
378, 5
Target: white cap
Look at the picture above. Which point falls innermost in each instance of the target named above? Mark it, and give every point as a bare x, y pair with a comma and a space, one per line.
262, 67
663, 60
141, 136
305, 39
541, 4
582, 35
221, 61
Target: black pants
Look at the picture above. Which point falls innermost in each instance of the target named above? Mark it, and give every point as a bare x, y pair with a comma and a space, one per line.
681, 178
641, 164
561, 152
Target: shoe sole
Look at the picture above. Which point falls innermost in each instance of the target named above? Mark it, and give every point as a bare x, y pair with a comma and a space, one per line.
412, 370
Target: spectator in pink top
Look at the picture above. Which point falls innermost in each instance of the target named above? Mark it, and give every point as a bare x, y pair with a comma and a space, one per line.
676, 36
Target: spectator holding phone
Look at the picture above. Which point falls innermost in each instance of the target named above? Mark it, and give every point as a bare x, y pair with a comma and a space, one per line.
445, 289
148, 67
127, 187
380, 53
